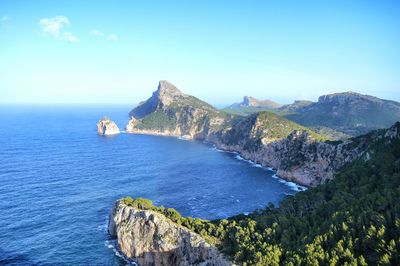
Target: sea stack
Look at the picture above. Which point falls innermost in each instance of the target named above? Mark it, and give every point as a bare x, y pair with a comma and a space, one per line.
106, 126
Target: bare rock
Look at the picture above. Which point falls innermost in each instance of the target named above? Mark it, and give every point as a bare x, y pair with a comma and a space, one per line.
150, 238
106, 126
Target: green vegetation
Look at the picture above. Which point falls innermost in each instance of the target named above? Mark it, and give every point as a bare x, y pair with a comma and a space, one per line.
157, 120
362, 116
352, 220
250, 131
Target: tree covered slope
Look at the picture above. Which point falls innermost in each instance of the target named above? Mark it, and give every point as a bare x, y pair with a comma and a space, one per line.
352, 220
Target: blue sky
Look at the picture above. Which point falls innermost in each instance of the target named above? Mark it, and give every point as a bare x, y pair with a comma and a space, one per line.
117, 51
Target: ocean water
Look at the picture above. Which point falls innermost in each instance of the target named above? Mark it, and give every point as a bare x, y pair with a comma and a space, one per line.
59, 180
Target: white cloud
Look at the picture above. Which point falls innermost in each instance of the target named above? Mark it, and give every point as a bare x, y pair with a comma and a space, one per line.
96, 33
5, 18
69, 37
112, 37
54, 27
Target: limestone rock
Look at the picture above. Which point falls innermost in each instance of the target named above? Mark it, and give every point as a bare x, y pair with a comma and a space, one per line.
150, 238
106, 126
170, 112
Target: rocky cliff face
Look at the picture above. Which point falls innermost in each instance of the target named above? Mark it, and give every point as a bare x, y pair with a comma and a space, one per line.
170, 112
297, 152
150, 238
106, 126
303, 159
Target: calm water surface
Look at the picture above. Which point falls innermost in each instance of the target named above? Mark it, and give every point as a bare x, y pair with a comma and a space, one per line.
59, 180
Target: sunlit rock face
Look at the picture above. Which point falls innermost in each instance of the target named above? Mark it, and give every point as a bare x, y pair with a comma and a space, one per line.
150, 238
106, 126
170, 112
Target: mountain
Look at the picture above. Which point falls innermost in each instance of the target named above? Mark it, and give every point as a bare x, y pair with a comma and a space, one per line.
296, 105
298, 153
249, 101
170, 112
352, 220
251, 105
349, 113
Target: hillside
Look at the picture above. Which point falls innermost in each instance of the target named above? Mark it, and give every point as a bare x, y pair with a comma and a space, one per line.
298, 153
259, 129
170, 112
352, 220
338, 115
349, 113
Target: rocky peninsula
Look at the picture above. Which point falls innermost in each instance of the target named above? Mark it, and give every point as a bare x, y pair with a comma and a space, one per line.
150, 238
299, 153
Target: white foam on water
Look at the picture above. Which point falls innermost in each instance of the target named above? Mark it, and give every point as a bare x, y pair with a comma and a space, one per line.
112, 245
290, 184
103, 227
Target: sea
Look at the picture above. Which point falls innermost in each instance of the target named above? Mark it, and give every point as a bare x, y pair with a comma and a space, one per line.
59, 180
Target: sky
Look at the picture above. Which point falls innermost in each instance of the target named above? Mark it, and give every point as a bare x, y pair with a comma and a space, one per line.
115, 52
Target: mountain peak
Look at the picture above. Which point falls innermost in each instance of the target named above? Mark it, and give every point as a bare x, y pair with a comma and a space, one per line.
348, 96
166, 87
167, 93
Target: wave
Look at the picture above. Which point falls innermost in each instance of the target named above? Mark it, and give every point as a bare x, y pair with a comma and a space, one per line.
291, 185
112, 244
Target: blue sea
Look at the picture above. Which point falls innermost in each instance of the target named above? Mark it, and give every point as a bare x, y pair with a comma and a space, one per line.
59, 180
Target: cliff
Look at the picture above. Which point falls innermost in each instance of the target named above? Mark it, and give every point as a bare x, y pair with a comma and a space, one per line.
299, 153
352, 220
170, 112
150, 238
106, 126
301, 157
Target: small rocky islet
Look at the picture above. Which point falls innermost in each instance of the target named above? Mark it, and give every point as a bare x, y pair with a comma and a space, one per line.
152, 236
106, 127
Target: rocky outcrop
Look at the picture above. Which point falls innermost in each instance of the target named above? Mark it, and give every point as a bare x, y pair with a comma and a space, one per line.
170, 112
150, 238
305, 160
106, 126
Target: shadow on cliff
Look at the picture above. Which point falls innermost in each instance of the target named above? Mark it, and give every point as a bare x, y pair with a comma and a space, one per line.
175, 257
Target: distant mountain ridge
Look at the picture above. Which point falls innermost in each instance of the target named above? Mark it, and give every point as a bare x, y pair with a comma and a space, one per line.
338, 115
348, 112
249, 101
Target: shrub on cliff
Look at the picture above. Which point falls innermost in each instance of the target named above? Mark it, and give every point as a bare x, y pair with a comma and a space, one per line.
352, 220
